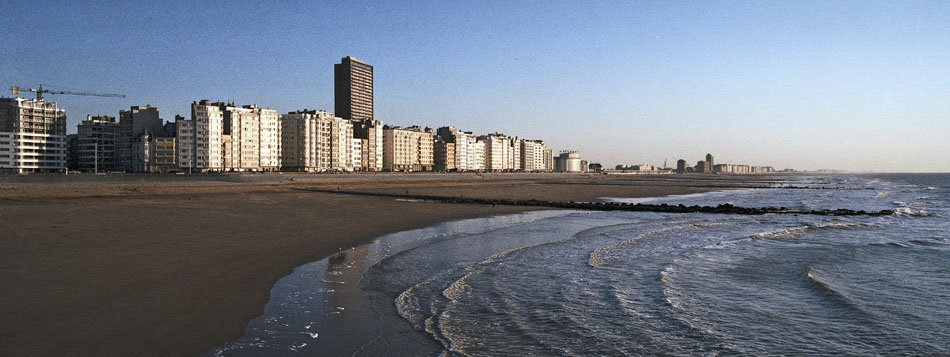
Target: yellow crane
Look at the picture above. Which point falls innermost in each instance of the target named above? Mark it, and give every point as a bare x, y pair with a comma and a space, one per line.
39, 92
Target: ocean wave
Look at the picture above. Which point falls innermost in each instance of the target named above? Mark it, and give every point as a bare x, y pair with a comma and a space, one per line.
798, 230
881, 194
910, 209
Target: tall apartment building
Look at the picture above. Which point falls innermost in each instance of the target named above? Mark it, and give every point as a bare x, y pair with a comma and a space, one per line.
709, 164
408, 149
478, 157
32, 136
533, 153
155, 151
199, 140
96, 147
499, 155
305, 140
371, 133
517, 158
681, 166
134, 123
353, 89
250, 138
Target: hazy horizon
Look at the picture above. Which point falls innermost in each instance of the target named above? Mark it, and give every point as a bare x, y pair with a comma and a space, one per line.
806, 85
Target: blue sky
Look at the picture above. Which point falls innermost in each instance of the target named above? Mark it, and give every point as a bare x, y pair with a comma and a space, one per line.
800, 84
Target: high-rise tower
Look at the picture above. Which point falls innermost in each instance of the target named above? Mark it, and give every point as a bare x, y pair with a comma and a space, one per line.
353, 89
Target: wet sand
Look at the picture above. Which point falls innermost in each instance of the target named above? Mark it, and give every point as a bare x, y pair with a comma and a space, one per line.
150, 265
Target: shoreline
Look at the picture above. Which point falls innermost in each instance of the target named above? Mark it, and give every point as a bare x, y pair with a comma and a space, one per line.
125, 267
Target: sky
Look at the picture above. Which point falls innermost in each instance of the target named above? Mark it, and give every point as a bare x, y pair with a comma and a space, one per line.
859, 86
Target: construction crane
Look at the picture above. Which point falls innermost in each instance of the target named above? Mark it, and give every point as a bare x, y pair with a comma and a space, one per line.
39, 92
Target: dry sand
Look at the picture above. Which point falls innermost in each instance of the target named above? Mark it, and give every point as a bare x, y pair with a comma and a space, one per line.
146, 265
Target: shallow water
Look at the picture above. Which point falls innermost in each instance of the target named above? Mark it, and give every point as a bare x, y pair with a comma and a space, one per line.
616, 283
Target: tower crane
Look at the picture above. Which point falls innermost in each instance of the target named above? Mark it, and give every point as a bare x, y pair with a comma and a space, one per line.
39, 92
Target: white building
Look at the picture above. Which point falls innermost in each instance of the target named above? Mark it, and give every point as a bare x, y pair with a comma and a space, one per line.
200, 140
533, 155
32, 136
341, 144
569, 161
499, 152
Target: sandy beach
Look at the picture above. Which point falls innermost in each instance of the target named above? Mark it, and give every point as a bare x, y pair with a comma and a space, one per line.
165, 265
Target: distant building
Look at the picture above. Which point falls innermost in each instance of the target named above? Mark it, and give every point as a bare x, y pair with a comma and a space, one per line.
353, 89
32, 136
709, 164
595, 167
371, 133
200, 140
568, 161
499, 153
408, 149
700, 167
444, 156
762, 169
305, 140
681, 166
467, 156
341, 144
585, 166
535, 156
134, 123
96, 145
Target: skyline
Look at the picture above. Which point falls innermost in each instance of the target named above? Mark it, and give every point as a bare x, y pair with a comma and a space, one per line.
807, 86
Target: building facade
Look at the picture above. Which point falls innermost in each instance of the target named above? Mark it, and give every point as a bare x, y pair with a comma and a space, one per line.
32, 136
305, 140
353, 89
371, 133
133, 124
533, 154
408, 149
96, 147
199, 143
568, 161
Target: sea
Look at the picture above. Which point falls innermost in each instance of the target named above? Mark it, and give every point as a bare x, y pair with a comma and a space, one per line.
564, 282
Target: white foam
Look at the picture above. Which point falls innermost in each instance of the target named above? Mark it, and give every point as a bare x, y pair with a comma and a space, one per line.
311, 334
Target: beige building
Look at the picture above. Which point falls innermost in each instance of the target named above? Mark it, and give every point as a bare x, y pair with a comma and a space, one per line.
478, 157
444, 156
251, 137
408, 149
305, 140
32, 136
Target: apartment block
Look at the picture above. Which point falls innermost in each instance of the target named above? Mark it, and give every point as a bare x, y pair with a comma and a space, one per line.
32, 136
408, 149
499, 155
465, 148
305, 140
341, 144
199, 143
133, 123
353, 89
371, 131
533, 154
443, 156
96, 145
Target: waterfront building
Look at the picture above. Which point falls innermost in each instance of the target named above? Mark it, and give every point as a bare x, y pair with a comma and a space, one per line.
478, 161
134, 123
465, 148
499, 155
533, 154
708, 166
95, 147
444, 156
305, 140
516, 161
681, 166
353, 89
700, 167
548, 159
341, 144
371, 133
200, 139
584, 166
762, 169
408, 149
250, 138
32, 136
568, 161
